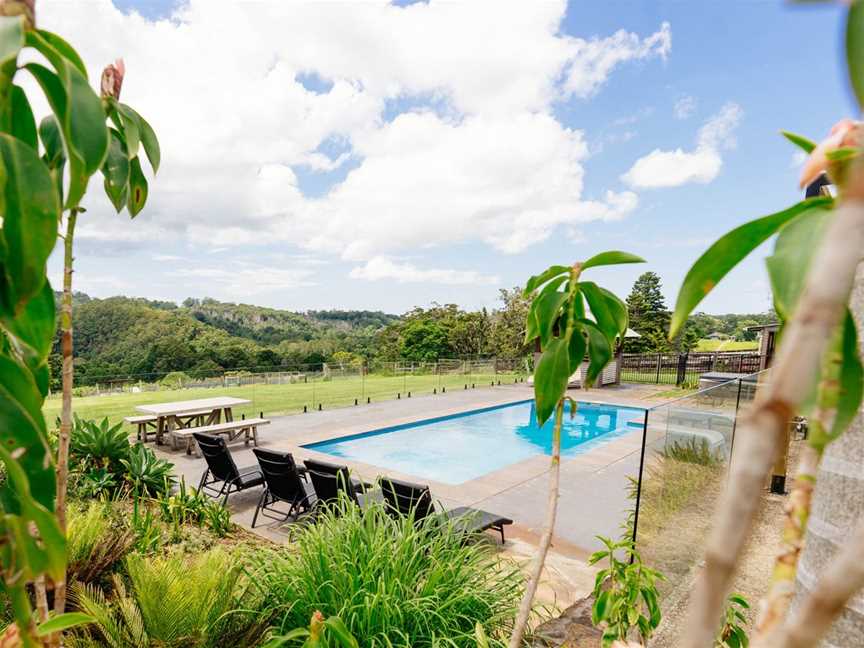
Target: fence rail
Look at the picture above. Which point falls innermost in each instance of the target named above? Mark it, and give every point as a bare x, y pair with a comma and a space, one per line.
684, 368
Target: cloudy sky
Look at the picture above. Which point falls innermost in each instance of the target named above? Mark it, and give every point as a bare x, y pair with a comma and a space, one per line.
382, 155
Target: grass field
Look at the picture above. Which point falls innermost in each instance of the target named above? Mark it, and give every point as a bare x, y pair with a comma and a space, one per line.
726, 345
276, 400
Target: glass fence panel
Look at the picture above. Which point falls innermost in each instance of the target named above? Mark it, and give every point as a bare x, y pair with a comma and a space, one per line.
688, 453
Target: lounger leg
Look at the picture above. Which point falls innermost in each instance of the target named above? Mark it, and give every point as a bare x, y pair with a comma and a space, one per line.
501, 529
203, 480
258, 508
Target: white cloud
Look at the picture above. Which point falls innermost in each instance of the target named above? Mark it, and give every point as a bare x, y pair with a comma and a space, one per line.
684, 107
218, 81
595, 59
674, 168
379, 268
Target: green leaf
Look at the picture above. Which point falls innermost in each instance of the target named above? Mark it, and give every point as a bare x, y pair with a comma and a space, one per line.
80, 115
855, 49
480, 636
841, 154
550, 378
793, 251
137, 188
800, 141
335, 626
740, 600
52, 141
63, 622
546, 309
11, 38
538, 280
116, 171
34, 325
576, 349
619, 311
147, 136
64, 49
599, 352
29, 221
600, 608
599, 305
23, 122
613, 257
727, 252
851, 379
129, 124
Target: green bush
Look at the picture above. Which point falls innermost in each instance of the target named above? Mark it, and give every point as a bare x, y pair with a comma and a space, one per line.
392, 582
198, 602
98, 445
145, 473
175, 380
95, 541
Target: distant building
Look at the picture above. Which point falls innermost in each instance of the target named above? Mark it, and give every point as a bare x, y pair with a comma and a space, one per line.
767, 342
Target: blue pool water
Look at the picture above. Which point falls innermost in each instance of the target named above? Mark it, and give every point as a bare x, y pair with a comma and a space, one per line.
454, 449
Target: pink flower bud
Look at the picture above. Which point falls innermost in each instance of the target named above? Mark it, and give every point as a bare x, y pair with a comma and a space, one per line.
112, 79
316, 624
845, 133
26, 8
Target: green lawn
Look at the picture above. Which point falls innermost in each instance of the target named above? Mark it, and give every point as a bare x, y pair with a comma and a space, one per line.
726, 345
276, 400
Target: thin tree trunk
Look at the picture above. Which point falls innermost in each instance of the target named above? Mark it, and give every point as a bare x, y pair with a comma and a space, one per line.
546, 539
41, 595
68, 381
776, 604
806, 339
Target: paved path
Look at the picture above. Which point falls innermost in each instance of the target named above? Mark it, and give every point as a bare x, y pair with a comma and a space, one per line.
593, 484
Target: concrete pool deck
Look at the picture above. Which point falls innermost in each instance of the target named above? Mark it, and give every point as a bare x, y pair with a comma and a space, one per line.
593, 494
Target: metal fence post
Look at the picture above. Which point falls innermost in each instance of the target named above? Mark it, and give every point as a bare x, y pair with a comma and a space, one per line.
734, 426
659, 363
639, 481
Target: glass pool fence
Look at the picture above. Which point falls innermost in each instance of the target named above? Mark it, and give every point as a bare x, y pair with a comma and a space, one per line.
287, 390
683, 466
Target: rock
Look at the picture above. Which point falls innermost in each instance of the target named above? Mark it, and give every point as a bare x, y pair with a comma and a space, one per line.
573, 629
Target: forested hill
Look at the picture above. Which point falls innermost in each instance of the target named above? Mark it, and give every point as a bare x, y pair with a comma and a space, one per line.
123, 336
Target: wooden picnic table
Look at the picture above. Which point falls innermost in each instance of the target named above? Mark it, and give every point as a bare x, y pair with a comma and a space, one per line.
169, 415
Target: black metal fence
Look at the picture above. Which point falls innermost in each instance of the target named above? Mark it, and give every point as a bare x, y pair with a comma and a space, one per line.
683, 368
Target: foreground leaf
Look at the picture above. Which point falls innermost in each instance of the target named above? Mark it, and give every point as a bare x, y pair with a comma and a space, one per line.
613, 257
727, 252
855, 49
30, 216
551, 377
800, 141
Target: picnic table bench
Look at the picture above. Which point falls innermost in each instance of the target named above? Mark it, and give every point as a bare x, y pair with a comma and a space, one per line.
232, 429
180, 414
148, 423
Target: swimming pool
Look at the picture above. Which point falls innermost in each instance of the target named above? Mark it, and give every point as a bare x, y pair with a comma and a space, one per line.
454, 449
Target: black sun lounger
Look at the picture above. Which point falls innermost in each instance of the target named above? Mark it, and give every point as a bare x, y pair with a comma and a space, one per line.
222, 469
283, 482
405, 498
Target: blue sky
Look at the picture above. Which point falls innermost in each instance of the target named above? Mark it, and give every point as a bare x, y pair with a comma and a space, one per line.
316, 163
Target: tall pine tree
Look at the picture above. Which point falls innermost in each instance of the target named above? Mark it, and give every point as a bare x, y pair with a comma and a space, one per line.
649, 316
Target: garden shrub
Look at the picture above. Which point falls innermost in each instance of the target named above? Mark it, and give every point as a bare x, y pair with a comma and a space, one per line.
198, 601
175, 380
392, 583
95, 541
104, 463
